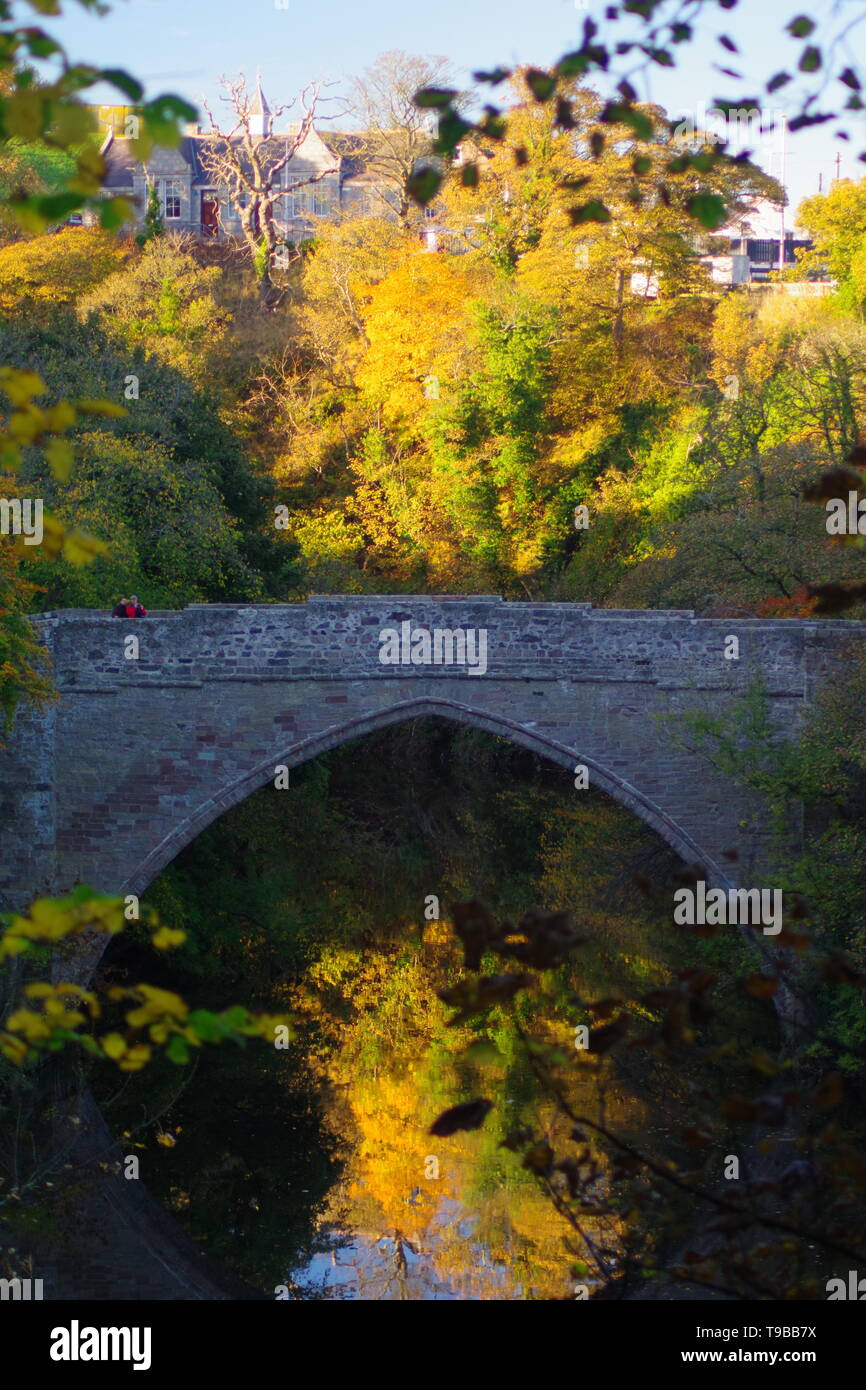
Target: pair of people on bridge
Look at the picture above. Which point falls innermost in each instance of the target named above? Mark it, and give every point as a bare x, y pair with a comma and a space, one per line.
129, 608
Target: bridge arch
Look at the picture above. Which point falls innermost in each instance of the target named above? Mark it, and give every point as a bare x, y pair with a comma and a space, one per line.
298, 753
138, 757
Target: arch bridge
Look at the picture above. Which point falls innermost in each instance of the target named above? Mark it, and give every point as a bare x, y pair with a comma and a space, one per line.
144, 749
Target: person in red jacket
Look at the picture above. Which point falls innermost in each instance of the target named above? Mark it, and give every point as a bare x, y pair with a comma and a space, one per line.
132, 608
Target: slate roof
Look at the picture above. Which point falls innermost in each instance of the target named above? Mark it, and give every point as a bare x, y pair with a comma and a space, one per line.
259, 105
121, 161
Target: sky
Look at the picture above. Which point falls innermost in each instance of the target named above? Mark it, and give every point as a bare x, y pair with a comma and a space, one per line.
185, 46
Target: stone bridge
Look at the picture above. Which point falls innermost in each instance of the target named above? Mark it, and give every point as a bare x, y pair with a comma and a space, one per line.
141, 753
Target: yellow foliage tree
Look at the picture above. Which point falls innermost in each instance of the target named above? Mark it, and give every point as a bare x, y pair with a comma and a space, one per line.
56, 268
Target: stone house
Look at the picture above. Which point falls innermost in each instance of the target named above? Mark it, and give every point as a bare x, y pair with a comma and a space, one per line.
190, 201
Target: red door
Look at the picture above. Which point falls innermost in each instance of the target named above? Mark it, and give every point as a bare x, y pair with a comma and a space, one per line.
209, 214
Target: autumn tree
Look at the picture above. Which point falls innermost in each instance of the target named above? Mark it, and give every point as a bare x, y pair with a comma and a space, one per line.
55, 268
836, 222
396, 135
163, 300
247, 159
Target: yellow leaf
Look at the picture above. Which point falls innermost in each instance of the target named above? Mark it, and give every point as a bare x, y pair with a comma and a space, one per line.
72, 124
13, 1048
60, 458
24, 114
79, 548
97, 407
58, 418
135, 1058
113, 1045
21, 386
31, 1024
142, 147
167, 937
53, 532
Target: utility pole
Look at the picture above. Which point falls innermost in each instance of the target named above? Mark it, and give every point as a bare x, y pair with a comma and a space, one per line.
838, 167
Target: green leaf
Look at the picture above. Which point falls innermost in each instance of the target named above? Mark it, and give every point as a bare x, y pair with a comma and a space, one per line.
660, 56
781, 79
205, 1025
708, 209
573, 64
434, 97
494, 126
178, 1050
40, 44
53, 207
114, 212
541, 84
124, 82
424, 184
162, 117
593, 211
811, 60
619, 113
850, 78
801, 26
492, 77
451, 130
484, 1052
83, 893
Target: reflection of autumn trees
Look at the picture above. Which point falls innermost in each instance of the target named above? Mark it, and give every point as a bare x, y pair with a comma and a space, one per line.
316, 903
483, 1223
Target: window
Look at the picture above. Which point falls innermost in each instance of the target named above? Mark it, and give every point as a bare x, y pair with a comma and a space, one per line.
172, 197
764, 250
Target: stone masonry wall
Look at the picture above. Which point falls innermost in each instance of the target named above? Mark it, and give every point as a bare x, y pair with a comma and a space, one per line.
138, 756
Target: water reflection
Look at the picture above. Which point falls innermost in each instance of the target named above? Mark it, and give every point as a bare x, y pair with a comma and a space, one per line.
399, 1268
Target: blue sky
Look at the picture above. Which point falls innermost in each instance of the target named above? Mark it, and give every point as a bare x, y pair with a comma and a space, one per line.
185, 45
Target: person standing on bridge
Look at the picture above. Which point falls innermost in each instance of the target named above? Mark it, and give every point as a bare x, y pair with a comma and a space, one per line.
129, 608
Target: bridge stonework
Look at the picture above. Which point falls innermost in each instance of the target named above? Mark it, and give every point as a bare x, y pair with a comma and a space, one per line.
137, 757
